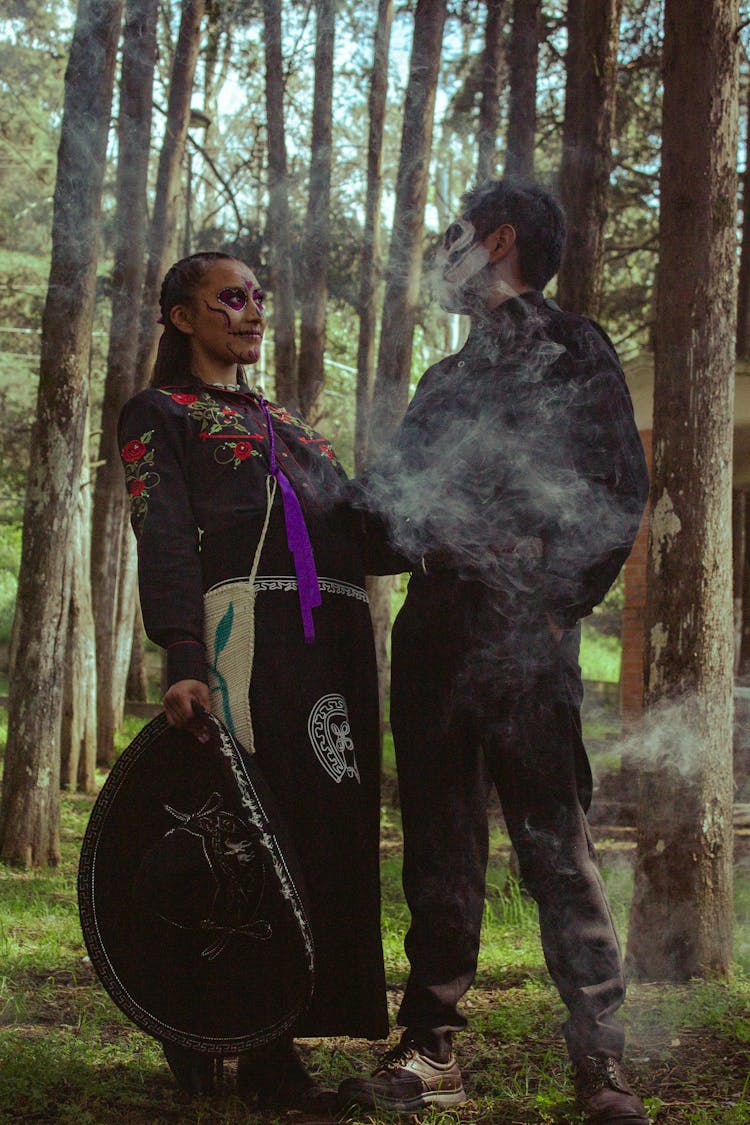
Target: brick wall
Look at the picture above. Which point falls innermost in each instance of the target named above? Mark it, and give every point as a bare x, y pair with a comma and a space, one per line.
633, 617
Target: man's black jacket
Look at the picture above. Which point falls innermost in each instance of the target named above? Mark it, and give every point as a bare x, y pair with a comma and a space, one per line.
528, 431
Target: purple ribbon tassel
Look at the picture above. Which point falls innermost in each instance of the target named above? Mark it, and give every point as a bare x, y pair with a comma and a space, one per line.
297, 537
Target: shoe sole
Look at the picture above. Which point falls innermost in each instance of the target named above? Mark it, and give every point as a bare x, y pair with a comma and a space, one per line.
623, 1121
443, 1098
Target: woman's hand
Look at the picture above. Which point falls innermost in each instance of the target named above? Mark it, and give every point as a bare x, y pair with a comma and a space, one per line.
179, 698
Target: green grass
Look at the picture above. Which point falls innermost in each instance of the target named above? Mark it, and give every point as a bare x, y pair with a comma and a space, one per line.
68, 1055
600, 654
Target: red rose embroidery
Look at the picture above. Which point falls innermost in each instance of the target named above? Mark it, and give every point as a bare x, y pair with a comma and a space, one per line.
184, 399
242, 450
228, 410
136, 487
133, 451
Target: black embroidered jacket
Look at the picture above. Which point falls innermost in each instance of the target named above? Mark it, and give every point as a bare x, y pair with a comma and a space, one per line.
196, 464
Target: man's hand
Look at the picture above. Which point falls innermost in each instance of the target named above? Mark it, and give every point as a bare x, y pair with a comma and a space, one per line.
178, 701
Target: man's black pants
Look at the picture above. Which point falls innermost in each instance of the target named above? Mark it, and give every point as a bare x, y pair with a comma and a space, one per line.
479, 686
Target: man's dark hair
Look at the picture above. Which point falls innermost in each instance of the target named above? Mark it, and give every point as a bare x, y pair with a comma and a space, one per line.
535, 214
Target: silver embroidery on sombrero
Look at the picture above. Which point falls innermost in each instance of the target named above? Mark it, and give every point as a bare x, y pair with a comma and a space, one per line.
234, 861
331, 737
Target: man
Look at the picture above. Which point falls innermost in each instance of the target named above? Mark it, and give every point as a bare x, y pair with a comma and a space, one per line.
515, 485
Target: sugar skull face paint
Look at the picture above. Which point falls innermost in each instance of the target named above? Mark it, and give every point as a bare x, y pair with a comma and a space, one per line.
458, 260
236, 297
226, 319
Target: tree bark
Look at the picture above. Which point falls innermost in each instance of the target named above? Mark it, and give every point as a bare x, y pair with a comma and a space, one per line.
523, 64
78, 730
745, 639
739, 562
370, 265
489, 87
404, 269
591, 72
316, 245
30, 806
137, 685
391, 389
278, 228
743, 291
681, 918
111, 564
163, 234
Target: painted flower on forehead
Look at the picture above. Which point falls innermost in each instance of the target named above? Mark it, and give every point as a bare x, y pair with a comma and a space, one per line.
133, 451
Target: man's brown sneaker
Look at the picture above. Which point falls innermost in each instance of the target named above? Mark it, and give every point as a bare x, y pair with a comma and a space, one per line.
605, 1095
406, 1080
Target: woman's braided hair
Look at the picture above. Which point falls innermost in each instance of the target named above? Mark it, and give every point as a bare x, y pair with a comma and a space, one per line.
172, 366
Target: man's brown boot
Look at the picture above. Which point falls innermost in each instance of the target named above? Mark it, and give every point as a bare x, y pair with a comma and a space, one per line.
604, 1093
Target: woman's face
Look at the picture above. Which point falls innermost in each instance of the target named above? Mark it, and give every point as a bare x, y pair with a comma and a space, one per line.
225, 319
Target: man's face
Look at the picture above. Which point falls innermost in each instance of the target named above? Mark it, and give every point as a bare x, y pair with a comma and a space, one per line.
458, 261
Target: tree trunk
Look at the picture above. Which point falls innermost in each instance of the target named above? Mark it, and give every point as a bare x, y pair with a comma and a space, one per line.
317, 239
109, 562
745, 642
30, 807
739, 562
405, 254
391, 390
523, 64
278, 228
489, 86
78, 731
370, 264
681, 918
163, 235
127, 598
379, 592
137, 685
591, 72
743, 292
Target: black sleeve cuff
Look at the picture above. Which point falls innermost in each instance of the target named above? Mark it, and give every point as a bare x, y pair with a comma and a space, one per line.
186, 660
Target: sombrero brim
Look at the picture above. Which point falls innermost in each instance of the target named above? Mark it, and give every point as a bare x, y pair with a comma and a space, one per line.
191, 900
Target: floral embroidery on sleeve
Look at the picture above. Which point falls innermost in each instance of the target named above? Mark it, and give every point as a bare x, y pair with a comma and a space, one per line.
140, 477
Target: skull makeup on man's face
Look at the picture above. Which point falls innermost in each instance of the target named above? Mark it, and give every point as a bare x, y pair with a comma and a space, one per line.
458, 260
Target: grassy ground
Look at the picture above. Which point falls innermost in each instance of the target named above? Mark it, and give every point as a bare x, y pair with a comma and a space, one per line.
67, 1055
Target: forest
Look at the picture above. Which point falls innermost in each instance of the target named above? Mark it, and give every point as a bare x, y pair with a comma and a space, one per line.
328, 143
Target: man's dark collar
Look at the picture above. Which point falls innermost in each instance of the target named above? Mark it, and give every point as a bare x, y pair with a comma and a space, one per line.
517, 306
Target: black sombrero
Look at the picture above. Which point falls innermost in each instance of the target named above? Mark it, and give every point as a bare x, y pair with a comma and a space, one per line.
192, 903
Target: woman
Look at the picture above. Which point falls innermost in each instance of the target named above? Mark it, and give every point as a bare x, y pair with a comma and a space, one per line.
226, 487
